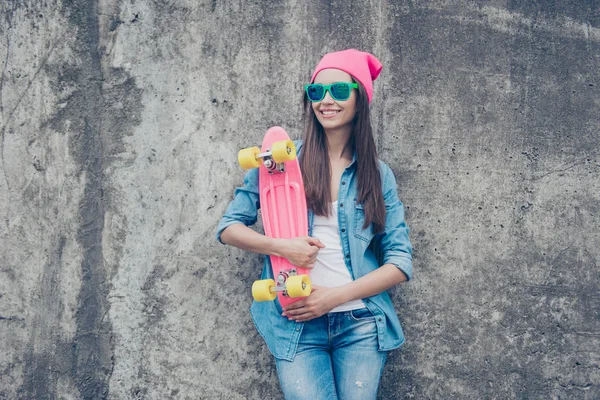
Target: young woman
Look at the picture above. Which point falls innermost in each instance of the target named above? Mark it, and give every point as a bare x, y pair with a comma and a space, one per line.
333, 344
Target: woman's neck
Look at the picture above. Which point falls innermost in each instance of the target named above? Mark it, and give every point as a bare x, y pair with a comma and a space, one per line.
338, 144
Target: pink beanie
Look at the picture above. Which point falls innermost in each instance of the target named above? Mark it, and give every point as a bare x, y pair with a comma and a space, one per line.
362, 66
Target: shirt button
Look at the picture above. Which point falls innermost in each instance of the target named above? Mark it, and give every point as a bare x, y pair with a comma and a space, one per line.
348, 255
343, 230
380, 320
343, 182
341, 205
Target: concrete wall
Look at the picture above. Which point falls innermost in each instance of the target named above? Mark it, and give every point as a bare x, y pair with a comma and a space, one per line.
120, 122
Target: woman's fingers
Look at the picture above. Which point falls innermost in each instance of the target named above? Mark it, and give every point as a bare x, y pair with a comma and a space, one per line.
315, 242
302, 251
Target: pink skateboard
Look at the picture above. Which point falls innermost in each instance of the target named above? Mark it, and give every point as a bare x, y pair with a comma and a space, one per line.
283, 207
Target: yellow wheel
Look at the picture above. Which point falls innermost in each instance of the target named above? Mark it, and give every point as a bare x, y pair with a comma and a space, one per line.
298, 286
283, 151
261, 290
247, 158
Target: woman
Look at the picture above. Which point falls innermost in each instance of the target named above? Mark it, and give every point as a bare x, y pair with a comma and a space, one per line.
334, 343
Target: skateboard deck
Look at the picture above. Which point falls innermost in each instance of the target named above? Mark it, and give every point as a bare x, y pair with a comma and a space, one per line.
284, 213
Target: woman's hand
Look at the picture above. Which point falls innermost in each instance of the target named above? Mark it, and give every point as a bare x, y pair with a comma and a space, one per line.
319, 302
301, 251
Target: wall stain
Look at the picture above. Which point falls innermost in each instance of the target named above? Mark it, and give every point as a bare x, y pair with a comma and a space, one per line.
42, 367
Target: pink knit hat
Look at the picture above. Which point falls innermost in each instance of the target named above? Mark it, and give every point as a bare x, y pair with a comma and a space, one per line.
364, 67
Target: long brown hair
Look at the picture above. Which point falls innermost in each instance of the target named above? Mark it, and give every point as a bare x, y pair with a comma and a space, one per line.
316, 172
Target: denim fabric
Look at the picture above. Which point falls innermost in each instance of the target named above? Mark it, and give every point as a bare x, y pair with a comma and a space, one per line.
337, 358
364, 252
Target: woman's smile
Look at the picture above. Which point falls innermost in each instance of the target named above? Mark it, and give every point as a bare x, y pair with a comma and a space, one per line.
329, 113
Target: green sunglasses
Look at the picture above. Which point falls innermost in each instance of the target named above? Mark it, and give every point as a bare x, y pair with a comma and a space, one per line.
339, 91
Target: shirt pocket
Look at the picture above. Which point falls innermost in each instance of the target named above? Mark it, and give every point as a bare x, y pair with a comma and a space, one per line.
359, 221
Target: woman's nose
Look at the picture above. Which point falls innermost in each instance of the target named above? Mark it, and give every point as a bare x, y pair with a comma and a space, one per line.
327, 98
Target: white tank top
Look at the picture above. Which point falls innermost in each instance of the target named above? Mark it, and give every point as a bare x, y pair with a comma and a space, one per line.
330, 269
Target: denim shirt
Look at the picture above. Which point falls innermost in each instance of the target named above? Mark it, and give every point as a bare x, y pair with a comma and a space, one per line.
363, 252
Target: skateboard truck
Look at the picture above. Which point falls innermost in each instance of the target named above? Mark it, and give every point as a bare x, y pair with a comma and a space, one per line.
271, 165
273, 159
289, 282
281, 280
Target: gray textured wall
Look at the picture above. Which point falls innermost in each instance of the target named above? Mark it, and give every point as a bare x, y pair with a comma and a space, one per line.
120, 124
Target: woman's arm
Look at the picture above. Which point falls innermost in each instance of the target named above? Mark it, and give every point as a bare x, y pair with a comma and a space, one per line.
373, 283
324, 299
301, 252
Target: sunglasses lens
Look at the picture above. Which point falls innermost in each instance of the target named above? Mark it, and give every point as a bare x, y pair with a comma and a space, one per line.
340, 91
315, 92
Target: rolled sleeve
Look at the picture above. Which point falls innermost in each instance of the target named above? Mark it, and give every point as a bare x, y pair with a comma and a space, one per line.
395, 244
243, 209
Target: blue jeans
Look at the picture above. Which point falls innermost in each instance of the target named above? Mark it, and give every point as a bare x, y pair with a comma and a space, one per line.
337, 358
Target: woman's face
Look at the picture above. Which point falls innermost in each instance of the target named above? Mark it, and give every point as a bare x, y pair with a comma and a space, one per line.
334, 114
